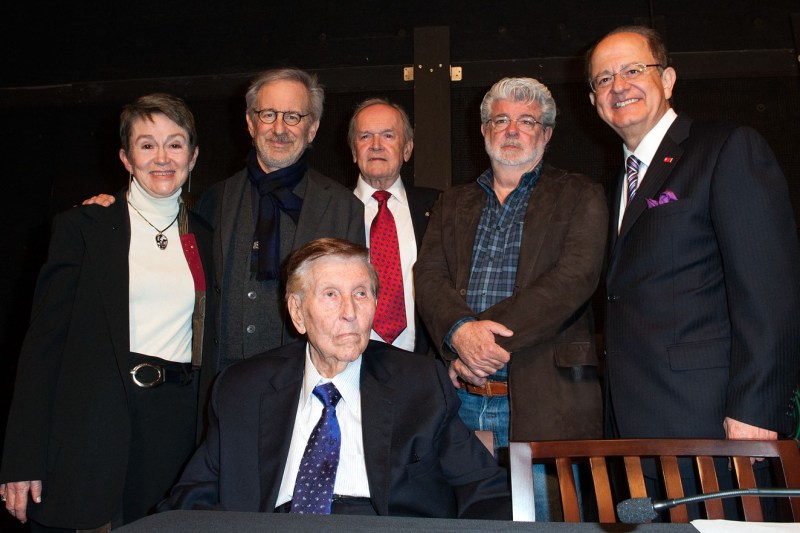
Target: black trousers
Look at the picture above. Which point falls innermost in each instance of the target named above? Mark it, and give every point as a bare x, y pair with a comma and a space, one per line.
163, 429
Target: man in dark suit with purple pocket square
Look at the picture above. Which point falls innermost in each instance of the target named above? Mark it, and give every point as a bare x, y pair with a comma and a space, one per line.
703, 279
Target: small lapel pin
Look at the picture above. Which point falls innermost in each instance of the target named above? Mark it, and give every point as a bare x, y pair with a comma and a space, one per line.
667, 160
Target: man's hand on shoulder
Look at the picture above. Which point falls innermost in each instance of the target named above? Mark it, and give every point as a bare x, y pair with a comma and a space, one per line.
101, 199
476, 347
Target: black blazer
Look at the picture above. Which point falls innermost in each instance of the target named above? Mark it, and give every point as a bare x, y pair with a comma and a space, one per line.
68, 424
703, 292
420, 202
428, 465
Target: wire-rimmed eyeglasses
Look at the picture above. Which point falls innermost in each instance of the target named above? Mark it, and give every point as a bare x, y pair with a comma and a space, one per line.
525, 123
627, 73
290, 118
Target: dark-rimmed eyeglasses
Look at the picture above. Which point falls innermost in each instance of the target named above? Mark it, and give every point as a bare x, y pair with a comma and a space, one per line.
627, 73
290, 118
524, 123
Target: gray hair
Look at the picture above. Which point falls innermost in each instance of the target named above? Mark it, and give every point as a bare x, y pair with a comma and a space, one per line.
316, 94
299, 262
525, 90
408, 130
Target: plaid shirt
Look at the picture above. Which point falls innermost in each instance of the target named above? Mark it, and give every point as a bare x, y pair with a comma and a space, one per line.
495, 254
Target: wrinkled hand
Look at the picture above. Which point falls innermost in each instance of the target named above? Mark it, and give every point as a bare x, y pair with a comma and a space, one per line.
458, 369
476, 347
15, 495
739, 430
101, 199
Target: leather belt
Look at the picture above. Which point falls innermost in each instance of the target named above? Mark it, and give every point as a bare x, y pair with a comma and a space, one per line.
337, 498
490, 388
148, 375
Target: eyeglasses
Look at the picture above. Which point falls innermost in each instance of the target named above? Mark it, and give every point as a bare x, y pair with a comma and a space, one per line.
525, 124
290, 118
628, 73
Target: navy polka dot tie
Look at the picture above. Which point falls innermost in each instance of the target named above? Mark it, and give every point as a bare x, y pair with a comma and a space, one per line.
313, 490
384, 253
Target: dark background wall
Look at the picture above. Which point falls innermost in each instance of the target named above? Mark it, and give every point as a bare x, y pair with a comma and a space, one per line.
66, 71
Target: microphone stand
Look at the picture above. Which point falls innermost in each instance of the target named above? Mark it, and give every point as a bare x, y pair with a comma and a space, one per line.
640, 510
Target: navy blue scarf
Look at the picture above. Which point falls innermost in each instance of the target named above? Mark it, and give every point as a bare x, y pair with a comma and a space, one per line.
275, 192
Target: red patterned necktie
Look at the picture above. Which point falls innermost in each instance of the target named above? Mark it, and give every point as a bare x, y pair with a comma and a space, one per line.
384, 251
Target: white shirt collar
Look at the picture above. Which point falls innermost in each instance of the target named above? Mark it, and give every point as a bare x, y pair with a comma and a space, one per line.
347, 382
650, 143
364, 191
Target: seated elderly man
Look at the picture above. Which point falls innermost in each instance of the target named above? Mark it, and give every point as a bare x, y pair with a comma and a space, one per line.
340, 423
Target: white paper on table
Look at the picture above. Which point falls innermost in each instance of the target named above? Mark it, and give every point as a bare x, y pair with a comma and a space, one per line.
731, 526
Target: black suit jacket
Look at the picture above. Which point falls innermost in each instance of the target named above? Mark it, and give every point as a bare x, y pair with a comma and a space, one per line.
428, 465
420, 202
69, 423
703, 292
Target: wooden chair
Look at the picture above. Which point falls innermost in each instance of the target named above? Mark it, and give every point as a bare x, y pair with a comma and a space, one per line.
784, 456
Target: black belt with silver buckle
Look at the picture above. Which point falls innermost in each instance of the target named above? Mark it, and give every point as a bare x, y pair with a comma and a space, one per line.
148, 375
337, 498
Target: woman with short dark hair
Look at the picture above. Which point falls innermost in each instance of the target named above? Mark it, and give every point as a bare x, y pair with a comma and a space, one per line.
104, 413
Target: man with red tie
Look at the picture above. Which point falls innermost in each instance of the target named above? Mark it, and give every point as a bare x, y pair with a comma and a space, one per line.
396, 215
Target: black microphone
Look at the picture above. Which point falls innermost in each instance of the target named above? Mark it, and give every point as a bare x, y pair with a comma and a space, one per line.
640, 510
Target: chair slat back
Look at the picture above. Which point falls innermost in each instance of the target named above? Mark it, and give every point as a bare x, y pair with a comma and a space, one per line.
784, 454
602, 489
709, 483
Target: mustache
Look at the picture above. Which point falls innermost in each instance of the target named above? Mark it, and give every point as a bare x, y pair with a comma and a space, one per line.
509, 144
281, 137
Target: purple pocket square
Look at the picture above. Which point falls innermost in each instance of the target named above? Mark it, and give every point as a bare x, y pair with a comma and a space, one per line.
666, 197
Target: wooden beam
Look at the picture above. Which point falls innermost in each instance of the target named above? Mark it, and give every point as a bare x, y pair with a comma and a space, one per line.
432, 137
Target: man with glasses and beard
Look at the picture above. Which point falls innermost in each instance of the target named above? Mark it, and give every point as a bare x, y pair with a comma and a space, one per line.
504, 279
273, 206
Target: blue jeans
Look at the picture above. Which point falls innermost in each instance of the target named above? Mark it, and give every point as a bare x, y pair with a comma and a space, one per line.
492, 414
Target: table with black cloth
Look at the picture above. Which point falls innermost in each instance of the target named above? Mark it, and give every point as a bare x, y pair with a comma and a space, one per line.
233, 522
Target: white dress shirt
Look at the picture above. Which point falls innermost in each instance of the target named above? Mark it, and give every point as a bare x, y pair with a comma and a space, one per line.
398, 205
644, 153
351, 476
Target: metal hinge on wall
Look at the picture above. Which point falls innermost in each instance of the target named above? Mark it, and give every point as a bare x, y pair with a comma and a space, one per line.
455, 72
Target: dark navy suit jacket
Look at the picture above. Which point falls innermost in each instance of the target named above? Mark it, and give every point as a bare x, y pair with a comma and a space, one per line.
420, 202
703, 308
429, 465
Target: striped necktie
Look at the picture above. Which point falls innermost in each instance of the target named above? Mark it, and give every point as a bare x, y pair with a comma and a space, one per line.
632, 176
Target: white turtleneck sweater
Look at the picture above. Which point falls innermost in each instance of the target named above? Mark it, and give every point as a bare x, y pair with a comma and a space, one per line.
161, 292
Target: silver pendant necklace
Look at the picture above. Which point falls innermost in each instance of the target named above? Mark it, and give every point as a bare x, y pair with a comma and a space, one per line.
161, 239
